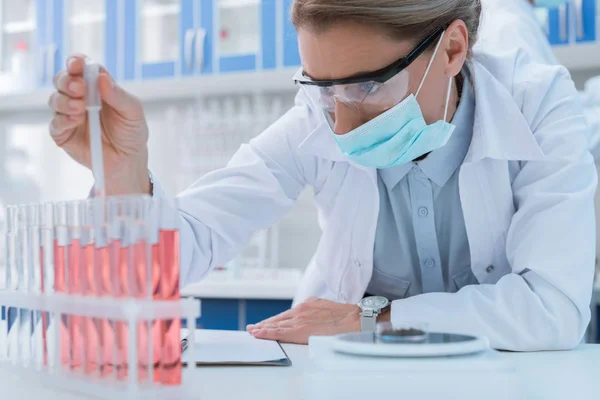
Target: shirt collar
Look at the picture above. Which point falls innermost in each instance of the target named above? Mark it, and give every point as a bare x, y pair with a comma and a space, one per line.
440, 164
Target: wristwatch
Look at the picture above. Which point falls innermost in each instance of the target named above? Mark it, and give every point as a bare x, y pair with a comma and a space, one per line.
371, 308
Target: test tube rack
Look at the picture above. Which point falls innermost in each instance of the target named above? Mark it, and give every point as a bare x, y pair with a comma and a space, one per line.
59, 377
91, 292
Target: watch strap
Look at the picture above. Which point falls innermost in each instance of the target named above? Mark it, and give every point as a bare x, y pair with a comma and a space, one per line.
368, 321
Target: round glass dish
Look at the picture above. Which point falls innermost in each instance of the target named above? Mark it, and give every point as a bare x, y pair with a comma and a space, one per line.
412, 332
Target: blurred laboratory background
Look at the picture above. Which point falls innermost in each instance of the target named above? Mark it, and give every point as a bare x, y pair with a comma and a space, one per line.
212, 74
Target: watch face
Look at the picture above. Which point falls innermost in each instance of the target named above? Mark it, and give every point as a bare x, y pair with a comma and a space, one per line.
374, 302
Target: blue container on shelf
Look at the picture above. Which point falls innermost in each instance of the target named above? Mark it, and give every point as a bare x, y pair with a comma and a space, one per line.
573, 22
586, 26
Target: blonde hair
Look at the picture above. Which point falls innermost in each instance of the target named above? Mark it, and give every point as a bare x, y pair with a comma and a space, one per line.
399, 19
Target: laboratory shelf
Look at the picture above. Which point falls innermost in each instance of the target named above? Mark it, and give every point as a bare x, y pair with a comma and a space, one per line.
249, 289
172, 89
582, 56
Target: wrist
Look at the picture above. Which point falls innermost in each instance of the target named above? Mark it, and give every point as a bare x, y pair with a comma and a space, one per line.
385, 316
132, 179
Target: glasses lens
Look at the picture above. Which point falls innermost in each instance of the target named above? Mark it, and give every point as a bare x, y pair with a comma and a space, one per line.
369, 98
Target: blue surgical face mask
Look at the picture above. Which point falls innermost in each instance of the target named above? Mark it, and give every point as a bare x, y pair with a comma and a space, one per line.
549, 3
399, 135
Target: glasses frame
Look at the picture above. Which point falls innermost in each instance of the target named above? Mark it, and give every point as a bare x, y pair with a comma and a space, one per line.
381, 75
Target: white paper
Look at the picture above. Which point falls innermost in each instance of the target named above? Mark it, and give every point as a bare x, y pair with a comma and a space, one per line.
230, 347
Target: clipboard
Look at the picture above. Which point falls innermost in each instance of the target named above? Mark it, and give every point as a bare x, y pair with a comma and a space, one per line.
231, 348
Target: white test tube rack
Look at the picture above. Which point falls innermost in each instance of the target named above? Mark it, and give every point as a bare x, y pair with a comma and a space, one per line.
60, 378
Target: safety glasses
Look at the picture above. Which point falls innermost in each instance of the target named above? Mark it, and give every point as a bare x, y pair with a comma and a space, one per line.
372, 92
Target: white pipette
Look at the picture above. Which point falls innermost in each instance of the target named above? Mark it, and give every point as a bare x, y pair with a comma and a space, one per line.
94, 106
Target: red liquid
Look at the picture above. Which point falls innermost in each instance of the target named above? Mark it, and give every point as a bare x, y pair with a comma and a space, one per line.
91, 326
121, 262
141, 290
157, 326
168, 249
74, 287
61, 287
106, 330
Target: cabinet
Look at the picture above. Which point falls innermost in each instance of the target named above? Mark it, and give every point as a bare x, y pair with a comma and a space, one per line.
152, 37
38, 35
170, 38
235, 314
22, 33
573, 22
140, 41
89, 27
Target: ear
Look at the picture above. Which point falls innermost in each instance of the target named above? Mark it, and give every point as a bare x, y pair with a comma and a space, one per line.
457, 47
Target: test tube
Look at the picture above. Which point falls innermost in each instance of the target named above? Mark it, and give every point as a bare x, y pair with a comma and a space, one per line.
142, 284
61, 258
168, 249
156, 343
74, 281
24, 266
119, 222
91, 326
47, 282
12, 313
105, 271
3, 283
94, 106
36, 263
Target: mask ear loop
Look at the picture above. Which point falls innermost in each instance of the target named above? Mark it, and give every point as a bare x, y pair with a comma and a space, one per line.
430, 64
448, 98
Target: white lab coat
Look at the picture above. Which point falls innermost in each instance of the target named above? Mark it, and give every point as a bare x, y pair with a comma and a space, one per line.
527, 187
507, 25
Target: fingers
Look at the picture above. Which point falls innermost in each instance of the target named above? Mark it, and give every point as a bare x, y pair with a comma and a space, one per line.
76, 64
283, 334
63, 104
116, 97
289, 314
61, 124
71, 85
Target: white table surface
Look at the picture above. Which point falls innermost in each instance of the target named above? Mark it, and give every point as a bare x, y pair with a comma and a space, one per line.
544, 375
257, 284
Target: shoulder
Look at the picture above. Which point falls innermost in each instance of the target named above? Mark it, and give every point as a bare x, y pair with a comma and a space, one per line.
545, 94
532, 85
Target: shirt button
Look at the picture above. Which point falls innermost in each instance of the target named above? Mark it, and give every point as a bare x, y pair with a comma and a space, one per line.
490, 269
423, 211
357, 263
430, 263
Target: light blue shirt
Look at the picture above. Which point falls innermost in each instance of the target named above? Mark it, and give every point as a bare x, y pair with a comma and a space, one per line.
421, 244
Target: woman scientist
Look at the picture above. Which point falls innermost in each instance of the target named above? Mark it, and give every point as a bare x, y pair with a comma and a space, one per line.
455, 185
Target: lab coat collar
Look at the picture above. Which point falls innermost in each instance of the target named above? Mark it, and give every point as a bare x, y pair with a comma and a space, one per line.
500, 131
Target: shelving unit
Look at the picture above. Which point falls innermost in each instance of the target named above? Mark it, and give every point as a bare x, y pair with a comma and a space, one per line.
162, 90
579, 57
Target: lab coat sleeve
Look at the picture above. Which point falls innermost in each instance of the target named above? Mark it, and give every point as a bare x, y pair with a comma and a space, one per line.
591, 103
544, 303
222, 210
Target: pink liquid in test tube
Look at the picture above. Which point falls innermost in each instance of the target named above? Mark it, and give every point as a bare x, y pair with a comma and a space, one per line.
74, 288
157, 325
107, 331
91, 326
141, 290
122, 278
60, 286
168, 248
